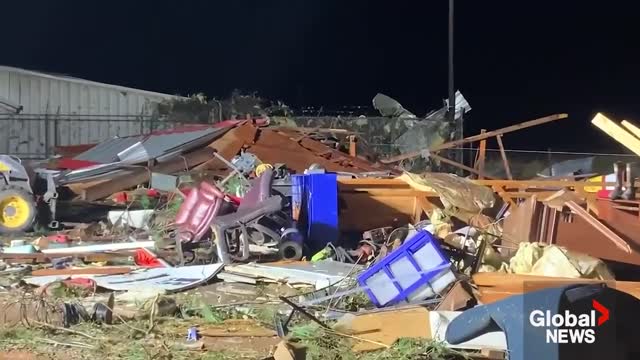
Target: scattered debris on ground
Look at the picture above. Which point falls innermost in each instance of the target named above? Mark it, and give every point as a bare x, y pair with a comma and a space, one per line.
244, 240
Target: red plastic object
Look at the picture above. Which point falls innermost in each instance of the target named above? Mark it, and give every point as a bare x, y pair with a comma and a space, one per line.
71, 164
234, 199
196, 212
59, 238
603, 194
144, 259
120, 198
83, 283
153, 193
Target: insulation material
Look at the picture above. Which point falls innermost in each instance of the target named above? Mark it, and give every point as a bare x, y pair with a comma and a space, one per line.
555, 261
454, 191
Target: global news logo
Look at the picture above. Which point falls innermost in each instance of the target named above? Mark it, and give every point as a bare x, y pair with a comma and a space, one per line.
569, 328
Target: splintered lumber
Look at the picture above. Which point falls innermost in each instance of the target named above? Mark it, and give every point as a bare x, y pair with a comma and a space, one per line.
495, 286
457, 164
479, 137
482, 153
114, 270
503, 154
142, 175
608, 233
617, 132
631, 127
229, 145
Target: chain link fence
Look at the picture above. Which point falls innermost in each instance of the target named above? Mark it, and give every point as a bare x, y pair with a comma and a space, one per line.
36, 136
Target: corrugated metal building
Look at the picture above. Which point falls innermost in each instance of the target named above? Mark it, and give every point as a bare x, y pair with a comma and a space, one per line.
40, 110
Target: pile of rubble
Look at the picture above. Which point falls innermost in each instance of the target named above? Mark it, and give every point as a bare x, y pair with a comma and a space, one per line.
366, 251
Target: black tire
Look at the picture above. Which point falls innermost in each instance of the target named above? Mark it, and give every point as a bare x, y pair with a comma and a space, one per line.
15, 191
290, 250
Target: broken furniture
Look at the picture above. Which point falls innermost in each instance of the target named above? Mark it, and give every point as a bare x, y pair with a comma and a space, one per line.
194, 216
198, 210
613, 334
259, 217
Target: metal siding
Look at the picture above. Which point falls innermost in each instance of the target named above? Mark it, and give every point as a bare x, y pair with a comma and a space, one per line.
84, 111
39, 89
4, 86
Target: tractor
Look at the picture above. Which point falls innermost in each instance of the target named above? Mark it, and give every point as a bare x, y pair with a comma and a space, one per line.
18, 202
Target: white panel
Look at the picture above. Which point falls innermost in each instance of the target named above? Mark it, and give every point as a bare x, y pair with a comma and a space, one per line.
114, 101
132, 102
94, 106
4, 85
33, 137
65, 103
74, 97
41, 93
14, 88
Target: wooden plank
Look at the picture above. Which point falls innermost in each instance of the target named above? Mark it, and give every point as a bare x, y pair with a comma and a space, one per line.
84, 271
457, 164
229, 145
503, 154
509, 184
482, 153
608, 233
352, 146
632, 128
479, 137
617, 132
496, 286
386, 327
140, 176
356, 215
417, 211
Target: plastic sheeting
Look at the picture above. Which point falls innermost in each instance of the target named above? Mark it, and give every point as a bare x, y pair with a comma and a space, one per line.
555, 261
453, 190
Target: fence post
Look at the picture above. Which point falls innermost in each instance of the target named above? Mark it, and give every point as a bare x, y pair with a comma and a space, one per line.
549, 161
47, 136
55, 128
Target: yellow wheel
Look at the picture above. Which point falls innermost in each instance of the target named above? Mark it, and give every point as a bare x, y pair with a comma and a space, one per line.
262, 168
17, 210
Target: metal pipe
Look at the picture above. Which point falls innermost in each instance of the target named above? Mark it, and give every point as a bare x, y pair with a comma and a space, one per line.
452, 92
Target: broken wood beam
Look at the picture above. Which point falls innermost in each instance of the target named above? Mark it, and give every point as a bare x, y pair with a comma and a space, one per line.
142, 175
180, 163
617, 132
482, 153
602, 228
503, 154
632, 128
456, 164
114, 270
229, 145
489, 134
352, 145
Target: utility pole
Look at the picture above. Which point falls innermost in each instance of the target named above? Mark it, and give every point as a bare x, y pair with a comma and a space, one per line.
451, 111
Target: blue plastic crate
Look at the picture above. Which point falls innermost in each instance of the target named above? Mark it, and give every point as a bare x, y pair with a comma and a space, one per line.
414, 271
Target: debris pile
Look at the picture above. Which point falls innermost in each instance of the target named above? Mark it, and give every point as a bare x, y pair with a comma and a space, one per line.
242, 232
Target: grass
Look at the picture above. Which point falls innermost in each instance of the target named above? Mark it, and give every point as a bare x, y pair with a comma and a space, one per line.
322, 344
164, 342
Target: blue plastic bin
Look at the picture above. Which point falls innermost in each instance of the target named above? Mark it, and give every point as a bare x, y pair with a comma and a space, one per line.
415, 271
317, 197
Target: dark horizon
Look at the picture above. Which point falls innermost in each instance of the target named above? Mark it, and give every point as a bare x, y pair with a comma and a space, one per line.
513, 61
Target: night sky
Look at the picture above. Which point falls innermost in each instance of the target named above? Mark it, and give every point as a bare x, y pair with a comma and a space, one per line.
515, 60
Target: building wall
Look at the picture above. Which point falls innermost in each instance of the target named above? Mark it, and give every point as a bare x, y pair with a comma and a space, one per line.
62, 110
41, 93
